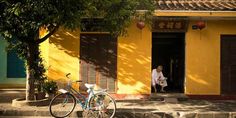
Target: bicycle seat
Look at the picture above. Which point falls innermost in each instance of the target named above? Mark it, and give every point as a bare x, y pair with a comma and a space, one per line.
89, 86
100, 90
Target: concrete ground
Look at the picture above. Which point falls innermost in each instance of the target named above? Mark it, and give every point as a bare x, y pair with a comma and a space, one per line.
158, 106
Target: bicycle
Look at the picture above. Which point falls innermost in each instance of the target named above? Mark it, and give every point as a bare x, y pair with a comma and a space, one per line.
97, 100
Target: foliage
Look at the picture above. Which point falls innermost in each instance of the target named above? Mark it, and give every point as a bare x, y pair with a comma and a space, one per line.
23, 18
50, 87
21, 21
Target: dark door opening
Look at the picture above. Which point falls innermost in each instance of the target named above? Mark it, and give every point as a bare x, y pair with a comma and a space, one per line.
228, 64
168, 50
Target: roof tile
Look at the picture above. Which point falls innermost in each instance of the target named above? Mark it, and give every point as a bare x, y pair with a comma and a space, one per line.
197, 5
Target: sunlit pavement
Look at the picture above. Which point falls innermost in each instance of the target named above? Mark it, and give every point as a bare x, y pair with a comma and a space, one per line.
31, 117
168, 107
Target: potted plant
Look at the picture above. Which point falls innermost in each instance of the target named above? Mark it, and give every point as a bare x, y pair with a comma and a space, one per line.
39, 93
50, 87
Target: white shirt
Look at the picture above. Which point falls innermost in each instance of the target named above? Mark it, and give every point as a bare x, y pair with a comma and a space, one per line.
156, 76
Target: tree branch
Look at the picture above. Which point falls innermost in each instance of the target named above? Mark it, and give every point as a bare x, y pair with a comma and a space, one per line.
40, 40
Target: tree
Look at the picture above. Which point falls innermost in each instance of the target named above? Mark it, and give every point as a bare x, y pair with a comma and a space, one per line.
21, 20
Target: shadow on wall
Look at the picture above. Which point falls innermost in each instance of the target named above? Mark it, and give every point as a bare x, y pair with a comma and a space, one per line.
99, 52
135, 66
63, 56
94, 53
66, 41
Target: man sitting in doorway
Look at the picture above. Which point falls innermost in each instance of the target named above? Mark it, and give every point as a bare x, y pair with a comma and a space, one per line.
158, 79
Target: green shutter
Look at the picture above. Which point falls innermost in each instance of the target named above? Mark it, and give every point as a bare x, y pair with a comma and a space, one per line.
15, 66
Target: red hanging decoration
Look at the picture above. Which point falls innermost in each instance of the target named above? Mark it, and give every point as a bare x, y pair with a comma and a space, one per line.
201, 25
140, 25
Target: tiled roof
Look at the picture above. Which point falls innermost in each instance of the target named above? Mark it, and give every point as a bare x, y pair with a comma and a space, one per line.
197, 5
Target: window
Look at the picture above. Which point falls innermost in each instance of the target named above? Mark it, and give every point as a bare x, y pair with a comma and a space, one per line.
15, 66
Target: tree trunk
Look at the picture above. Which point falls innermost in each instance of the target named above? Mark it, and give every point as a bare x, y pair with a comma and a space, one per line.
31, 61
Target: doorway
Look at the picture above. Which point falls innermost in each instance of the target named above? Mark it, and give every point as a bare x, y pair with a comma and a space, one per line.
228, 64
168, 50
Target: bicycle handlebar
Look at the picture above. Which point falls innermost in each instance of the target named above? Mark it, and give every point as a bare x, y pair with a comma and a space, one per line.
67, 75
79, 81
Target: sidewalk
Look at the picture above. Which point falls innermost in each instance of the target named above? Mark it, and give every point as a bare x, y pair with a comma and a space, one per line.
153, 108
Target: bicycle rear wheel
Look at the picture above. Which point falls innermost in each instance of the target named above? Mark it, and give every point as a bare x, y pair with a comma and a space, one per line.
103, 104
62, 105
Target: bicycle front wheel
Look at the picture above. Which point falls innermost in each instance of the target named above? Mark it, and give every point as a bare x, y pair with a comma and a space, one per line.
62, 105
103, 104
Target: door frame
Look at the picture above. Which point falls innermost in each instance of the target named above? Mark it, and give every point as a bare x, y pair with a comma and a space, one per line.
185, 57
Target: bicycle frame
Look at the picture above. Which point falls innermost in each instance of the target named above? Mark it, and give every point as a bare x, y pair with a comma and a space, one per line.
99, 99
70, 89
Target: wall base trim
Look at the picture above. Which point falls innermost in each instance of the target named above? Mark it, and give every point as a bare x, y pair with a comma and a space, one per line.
130, 96
12, 86
212, 97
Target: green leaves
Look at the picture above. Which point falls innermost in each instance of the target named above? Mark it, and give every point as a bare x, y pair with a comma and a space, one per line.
23, 18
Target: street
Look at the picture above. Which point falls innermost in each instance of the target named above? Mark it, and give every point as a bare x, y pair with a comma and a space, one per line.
29, 117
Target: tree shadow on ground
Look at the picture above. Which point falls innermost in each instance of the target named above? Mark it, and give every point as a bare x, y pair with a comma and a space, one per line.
7, 97
207, 106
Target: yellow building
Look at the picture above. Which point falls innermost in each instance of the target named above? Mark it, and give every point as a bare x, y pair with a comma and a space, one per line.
194, 41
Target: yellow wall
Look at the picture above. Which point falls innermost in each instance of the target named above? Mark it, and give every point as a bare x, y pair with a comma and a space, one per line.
63, 56
44, 47
134, 61
134, 58
203, 57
